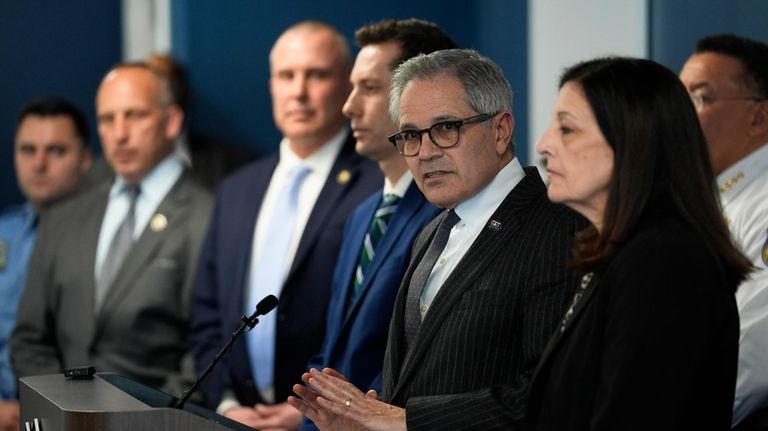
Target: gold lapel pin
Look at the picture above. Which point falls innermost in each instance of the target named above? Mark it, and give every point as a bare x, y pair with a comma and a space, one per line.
343, 177
158, 223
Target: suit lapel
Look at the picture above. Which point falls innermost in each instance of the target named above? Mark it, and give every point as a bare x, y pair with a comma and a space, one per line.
356, 236
144, 249
333, 191
583, 295
480, 254
406, 211
393, 360
90, 243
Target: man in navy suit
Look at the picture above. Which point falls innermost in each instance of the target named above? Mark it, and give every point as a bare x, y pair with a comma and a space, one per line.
377, 240
292, 206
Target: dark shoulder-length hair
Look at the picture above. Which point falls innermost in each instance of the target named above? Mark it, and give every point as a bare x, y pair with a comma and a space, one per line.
660, 157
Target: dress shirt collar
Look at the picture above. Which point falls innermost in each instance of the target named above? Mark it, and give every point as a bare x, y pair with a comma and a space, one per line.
400, 187
480, 207
320, 162
157, 183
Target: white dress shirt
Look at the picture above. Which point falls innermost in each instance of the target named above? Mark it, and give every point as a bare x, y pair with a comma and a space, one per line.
475, 213
320, 164
154, 187
398, 189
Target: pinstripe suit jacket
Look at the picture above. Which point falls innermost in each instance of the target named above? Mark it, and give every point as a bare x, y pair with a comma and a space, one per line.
480, 342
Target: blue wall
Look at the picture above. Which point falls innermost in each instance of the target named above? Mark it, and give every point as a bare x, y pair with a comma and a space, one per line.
225, 46
51, 47
62, 48
676, 25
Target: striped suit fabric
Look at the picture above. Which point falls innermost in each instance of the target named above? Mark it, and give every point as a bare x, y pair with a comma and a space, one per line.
477, 348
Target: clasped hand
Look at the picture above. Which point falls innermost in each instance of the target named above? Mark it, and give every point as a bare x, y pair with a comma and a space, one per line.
332, 403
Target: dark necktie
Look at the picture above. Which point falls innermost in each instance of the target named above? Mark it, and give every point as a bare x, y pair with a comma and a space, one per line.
421, 275
376, 231
118, 248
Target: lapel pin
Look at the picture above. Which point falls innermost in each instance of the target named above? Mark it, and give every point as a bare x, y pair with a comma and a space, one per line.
343, 177
158, 222
494, 225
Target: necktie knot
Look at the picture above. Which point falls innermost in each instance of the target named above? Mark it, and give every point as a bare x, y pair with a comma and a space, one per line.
450, 220
132, 191
390, 199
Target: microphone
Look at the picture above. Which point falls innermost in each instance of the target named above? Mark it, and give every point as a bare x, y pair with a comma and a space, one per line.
263, 307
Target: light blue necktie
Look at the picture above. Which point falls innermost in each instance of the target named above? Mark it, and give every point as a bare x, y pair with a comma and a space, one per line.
267, 277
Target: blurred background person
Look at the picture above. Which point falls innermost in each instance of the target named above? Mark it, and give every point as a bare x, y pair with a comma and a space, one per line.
111, 274
727, 77
208, 160
276, 229
51, 157
650, 340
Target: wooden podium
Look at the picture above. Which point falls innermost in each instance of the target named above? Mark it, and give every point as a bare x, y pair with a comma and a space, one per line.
108, 402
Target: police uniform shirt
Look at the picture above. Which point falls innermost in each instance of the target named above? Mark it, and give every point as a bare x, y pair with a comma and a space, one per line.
18, 231
744, 197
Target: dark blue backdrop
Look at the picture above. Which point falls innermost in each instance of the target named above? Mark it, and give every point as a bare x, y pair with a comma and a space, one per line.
63, 48
50, 47
225, 46
675, 26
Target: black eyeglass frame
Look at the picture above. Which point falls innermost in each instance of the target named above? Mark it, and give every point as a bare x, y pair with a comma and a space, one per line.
455, 123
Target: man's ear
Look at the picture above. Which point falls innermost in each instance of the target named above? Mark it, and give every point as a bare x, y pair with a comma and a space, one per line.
174, 122
504, 129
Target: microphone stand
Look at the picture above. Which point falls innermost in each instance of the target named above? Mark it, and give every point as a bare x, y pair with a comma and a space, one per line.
248, 322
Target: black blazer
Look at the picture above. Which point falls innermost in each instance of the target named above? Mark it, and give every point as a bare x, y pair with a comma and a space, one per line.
651, 345
486, 328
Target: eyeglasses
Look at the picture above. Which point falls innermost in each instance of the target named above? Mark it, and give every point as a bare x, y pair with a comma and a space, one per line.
700, 100
444, 134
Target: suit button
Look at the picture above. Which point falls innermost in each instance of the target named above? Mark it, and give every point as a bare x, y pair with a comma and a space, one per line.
281, 317
249, 383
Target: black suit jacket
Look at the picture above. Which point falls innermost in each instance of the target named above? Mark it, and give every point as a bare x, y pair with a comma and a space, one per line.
222, 278
652, 344
490, 321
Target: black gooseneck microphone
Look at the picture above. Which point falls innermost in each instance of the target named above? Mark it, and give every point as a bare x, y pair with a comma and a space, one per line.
263, 307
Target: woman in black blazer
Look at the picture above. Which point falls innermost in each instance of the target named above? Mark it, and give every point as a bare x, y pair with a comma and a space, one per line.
650, 341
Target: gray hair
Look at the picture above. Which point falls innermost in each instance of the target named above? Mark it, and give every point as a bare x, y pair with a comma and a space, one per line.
485, 87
